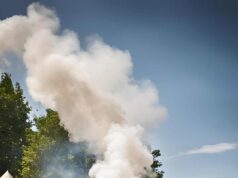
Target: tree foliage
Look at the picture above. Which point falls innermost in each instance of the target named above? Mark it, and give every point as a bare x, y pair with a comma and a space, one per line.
50, 154
154, 172
157, 164
14, 123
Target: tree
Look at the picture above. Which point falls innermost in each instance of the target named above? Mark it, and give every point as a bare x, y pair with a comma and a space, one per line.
50, 154
156, 164
154, 172
14, 123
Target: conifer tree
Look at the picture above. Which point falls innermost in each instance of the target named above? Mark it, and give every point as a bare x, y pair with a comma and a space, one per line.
14, 123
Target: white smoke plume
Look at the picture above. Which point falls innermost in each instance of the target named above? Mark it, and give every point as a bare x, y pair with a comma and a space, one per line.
93, 90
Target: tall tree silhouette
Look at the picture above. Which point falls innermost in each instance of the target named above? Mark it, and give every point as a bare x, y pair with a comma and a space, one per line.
14, 123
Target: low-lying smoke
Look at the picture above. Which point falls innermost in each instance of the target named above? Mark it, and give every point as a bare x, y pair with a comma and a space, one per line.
93, 90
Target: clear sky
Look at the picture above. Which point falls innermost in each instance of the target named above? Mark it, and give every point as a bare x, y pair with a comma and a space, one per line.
189, 49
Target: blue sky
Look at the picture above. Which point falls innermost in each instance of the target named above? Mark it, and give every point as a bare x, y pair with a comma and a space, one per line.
188, 48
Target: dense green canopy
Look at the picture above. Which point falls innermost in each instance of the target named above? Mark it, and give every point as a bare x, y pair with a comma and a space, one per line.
14, 124
50, 154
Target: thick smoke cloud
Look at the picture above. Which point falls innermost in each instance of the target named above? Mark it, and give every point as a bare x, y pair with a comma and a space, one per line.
93, 90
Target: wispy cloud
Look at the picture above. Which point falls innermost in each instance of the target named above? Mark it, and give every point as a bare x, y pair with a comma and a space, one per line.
209, 149
212, 149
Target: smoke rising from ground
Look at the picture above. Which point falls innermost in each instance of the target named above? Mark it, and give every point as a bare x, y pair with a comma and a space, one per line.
93, 90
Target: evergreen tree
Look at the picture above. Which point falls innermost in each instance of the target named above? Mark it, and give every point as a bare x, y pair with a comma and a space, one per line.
14, 123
